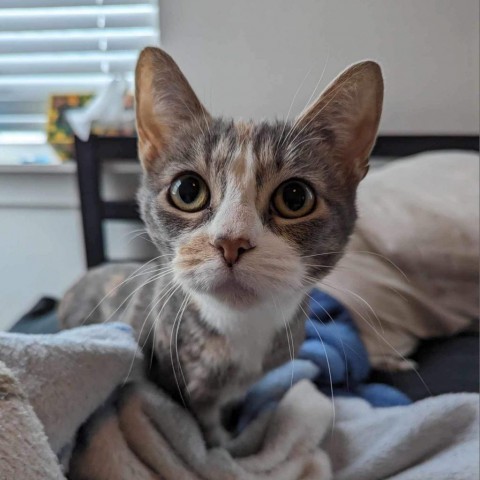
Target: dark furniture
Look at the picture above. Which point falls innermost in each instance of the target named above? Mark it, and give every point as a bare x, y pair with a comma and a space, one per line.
92, 155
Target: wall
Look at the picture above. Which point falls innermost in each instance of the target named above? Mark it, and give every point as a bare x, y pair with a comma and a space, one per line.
247, 58
41, 242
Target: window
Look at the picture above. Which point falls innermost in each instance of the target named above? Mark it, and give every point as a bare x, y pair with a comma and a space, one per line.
64, 46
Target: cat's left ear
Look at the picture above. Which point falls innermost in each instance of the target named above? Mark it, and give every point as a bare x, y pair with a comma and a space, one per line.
347, 115
164, 102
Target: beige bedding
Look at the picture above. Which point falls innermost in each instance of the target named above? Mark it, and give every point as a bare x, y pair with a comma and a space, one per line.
411, 270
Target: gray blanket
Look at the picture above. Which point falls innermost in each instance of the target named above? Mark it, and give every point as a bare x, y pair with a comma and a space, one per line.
75, 404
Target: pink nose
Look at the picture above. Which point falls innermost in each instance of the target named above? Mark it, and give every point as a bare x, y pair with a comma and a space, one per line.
232, 249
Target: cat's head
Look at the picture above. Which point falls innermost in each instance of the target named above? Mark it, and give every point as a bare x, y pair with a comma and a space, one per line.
248, 212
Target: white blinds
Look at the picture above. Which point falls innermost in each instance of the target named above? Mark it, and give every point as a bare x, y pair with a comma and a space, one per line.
64, 46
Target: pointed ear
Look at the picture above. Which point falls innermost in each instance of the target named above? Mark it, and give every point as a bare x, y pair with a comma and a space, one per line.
347, 115
165, 102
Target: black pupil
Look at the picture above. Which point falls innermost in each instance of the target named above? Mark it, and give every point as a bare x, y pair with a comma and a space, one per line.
189, 189
294, 196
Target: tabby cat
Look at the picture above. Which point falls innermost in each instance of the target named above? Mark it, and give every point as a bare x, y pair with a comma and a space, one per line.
247, 217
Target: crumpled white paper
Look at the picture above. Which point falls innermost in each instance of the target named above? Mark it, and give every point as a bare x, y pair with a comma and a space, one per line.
107, 108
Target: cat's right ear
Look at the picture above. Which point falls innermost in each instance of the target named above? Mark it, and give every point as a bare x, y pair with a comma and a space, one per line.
164, 102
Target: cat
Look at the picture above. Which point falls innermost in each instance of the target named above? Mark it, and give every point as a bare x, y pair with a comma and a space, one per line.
247, 217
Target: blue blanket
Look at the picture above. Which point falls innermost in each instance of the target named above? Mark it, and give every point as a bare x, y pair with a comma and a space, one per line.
332, 356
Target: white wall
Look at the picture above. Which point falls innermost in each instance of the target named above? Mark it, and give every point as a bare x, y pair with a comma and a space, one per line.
41, 242
247, 58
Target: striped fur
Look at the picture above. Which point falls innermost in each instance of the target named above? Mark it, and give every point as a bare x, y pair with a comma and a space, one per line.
236, 321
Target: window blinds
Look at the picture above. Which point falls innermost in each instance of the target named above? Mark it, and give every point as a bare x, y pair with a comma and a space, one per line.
64, 46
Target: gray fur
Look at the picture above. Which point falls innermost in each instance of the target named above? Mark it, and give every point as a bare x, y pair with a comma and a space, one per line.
191, 359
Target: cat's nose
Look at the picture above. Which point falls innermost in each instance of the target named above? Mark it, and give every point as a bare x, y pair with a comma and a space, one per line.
232, 248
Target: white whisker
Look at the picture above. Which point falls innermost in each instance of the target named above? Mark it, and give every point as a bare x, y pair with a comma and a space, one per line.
328, 366
299, 117
129, 278
291, 345
171, 351
289, 111
187, 299
338, 338
131, 295
347, 252
389, 345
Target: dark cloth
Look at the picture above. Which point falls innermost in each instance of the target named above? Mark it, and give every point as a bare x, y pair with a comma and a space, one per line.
445, 365
41, 318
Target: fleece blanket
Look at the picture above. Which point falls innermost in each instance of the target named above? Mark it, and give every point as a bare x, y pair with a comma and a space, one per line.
75, 404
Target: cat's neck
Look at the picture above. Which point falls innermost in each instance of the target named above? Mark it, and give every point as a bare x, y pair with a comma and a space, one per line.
250, 331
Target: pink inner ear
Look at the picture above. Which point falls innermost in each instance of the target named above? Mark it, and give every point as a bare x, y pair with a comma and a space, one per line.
351, 107
165, 102
362, 139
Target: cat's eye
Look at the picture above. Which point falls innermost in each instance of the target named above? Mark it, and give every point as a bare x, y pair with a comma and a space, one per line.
293, 199
189, 193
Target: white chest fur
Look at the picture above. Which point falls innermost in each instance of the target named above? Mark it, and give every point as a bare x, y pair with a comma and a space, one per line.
250, 331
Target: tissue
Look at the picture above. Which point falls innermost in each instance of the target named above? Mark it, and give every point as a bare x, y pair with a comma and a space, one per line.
105, 112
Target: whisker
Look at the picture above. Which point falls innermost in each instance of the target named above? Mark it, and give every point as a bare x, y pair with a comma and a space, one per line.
187, 299
170, 289
393, 348
318, 265
328, 365
293, 147
289, 111
142, 236
130, 296
171, 353
338, 338
334, 92
299, 117
139, 338
365, 252
359, 297
129, 278
193, 116
171, 292
291, 346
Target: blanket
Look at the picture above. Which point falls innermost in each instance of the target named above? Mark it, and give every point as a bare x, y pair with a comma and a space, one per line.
332, 356
76, 404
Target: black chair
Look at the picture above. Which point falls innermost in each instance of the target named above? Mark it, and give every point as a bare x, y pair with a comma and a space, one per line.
92, 154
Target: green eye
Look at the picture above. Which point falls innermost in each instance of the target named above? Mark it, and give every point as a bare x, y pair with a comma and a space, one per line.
189, 193
293, 199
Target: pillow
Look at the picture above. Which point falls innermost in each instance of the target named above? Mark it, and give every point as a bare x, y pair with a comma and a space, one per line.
411, 268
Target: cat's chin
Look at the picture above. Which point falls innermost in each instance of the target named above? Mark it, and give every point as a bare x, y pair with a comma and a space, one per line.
230, 291
235, 295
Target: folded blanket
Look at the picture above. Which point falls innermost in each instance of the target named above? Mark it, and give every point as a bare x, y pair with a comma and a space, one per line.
79, 396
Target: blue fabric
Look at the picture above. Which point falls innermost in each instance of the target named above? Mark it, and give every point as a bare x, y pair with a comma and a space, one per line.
332, 356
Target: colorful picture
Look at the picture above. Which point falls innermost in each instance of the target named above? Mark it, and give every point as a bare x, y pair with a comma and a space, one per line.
59, 133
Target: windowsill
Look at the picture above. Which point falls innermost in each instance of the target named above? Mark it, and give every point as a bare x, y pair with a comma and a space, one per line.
70, 167
27, 169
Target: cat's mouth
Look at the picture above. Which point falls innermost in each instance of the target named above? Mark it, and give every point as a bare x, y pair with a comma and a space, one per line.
228, 287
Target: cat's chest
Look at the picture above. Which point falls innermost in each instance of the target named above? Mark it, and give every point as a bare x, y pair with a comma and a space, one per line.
249, 334
240, 346
220, 357
249, 338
